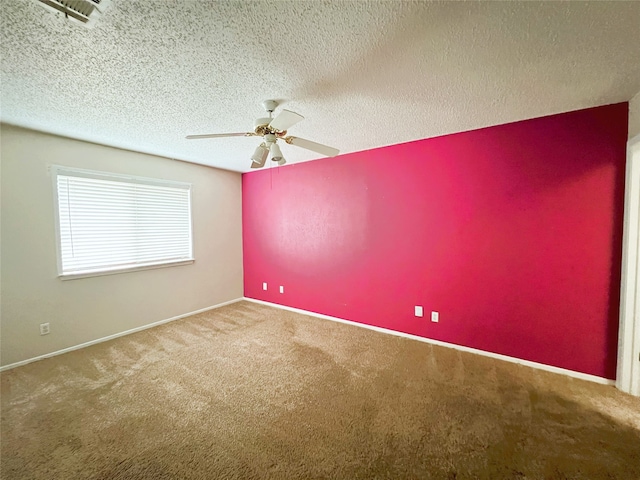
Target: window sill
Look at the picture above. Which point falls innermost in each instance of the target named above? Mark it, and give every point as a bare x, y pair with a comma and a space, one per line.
99, 273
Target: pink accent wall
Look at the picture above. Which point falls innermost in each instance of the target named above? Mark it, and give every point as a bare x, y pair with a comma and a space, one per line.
513, 233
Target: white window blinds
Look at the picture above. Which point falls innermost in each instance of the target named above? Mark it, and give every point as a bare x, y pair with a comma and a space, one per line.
108, 222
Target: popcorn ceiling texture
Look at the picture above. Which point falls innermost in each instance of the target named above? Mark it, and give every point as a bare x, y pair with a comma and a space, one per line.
363, 73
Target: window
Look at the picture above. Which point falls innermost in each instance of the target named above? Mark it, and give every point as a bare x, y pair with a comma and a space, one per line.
108, 223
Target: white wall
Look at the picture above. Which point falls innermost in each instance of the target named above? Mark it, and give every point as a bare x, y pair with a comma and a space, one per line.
634, 116
86, 309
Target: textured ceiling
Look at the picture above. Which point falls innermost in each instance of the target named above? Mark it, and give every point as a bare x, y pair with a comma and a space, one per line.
364, 73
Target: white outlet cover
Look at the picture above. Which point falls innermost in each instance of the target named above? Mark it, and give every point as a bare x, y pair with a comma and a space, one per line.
435, 316
264, 286
419, 311
281, 289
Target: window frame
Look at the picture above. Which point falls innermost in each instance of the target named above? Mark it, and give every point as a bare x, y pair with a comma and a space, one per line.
56, 170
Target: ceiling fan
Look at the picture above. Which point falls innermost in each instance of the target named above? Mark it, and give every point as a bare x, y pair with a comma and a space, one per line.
271, 130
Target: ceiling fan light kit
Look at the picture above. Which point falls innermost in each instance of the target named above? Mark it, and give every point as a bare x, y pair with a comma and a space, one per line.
276, 154
272, 129
259, 156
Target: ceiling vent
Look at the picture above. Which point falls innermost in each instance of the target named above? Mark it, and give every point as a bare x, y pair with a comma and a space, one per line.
85, 12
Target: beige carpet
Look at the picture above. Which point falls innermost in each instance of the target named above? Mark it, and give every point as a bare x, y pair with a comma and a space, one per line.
251, 392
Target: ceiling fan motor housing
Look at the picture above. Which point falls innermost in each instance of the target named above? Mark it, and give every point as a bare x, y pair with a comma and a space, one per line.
262, 122
261, 127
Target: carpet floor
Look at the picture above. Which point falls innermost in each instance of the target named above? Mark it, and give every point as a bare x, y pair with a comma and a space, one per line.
252, 392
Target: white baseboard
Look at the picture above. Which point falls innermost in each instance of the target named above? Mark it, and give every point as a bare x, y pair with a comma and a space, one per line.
115, 335
506, 358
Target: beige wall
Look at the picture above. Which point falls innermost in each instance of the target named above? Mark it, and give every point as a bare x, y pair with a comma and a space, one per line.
634, 116
86, 309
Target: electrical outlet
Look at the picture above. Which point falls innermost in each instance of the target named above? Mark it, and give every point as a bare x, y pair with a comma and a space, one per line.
264, 285
45, 329
435, 317
418, 311
281, 289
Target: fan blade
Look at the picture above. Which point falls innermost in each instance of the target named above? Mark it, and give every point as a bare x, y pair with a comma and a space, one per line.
220, 135
313, 146
285, 120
